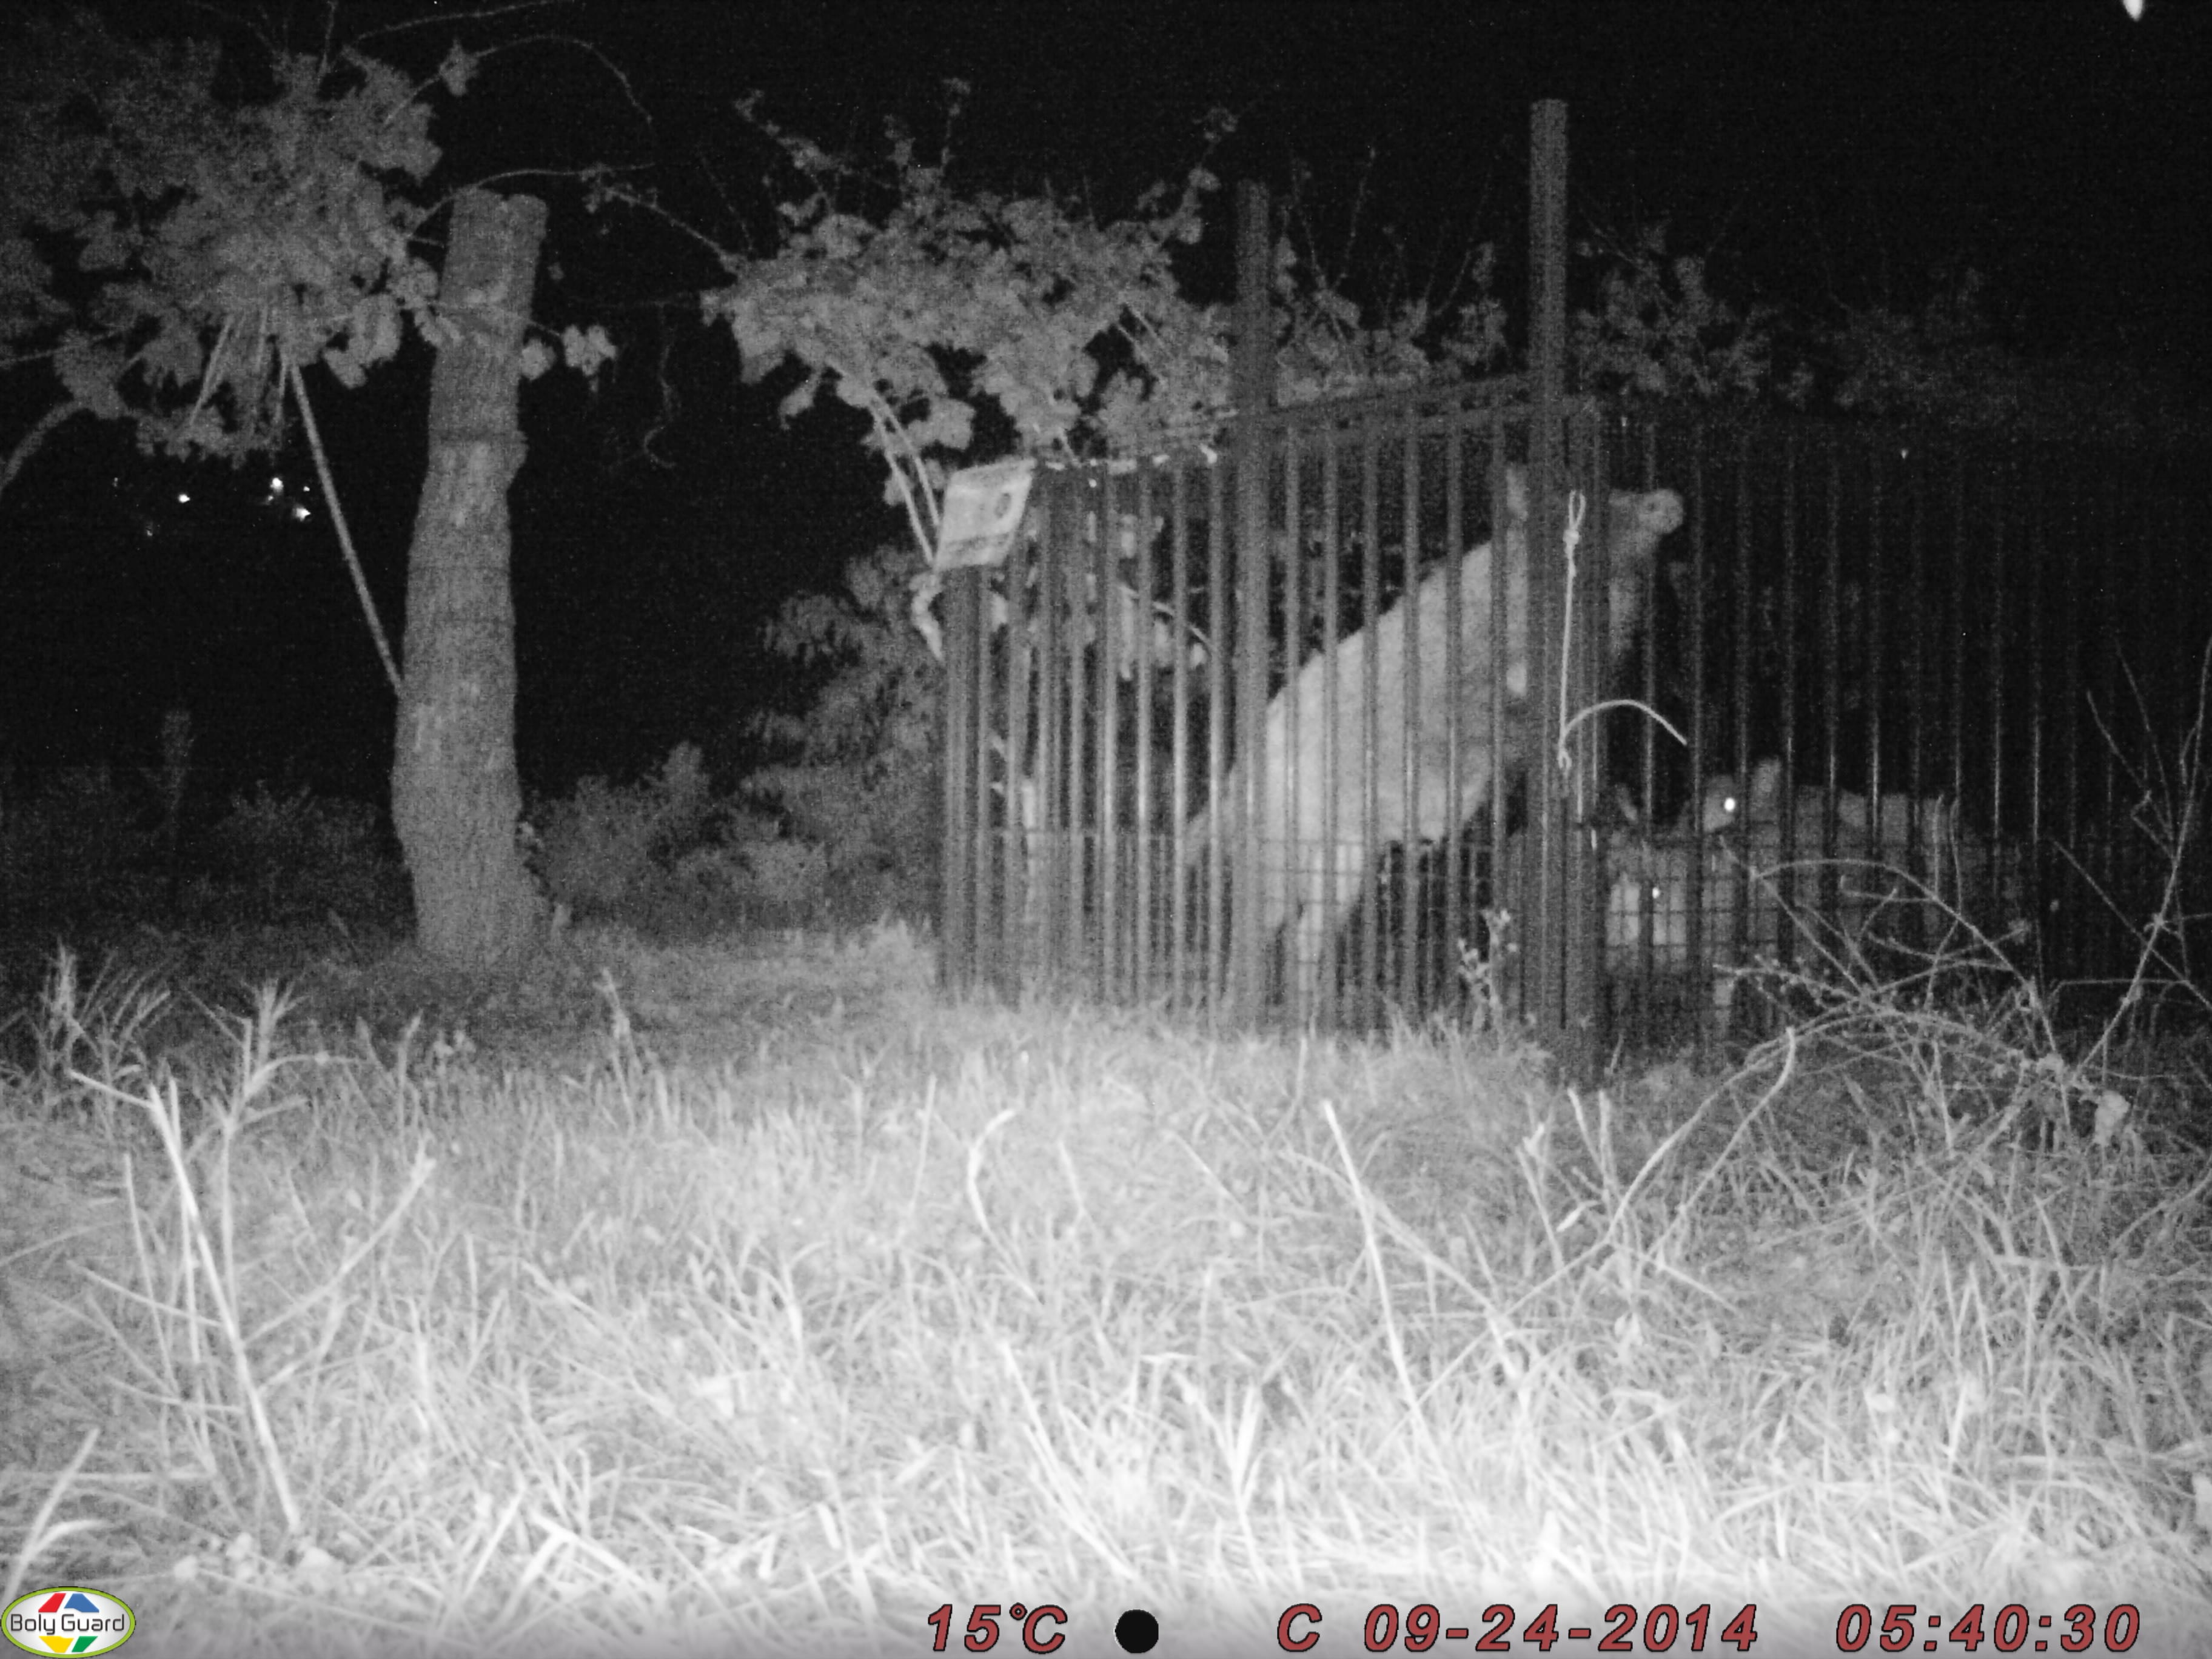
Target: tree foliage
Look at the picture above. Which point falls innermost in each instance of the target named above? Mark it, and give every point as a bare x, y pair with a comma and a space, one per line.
1953, 362
1659, 331
860, 779
939, 313
168, 250
916, 303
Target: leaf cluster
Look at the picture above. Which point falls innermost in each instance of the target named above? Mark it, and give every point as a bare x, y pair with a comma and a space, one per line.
169, 252
1952, 362
858, 776
880, 694
919, 302
1659, 331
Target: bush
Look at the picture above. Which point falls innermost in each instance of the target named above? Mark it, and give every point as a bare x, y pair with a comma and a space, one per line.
296, 852
85, 817
75, 836
604, 844
862, 780
771, 880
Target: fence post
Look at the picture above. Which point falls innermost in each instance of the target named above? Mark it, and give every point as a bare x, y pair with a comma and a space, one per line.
1252, 371
964, 773
1550, 836
1589, 669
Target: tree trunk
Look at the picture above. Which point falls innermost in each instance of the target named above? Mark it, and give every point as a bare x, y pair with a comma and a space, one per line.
455, 795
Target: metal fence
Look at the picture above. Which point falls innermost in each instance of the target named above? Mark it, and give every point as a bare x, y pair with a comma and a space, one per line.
1965, 674
1113, 812
1945, 677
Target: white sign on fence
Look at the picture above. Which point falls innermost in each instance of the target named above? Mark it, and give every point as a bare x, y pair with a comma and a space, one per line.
983, 509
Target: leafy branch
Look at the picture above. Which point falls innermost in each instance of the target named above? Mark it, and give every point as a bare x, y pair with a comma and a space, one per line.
177, 259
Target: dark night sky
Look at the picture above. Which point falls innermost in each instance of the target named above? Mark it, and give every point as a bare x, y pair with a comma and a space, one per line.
1822, 155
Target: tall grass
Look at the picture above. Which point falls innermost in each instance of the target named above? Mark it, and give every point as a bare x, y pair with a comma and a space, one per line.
798, 1305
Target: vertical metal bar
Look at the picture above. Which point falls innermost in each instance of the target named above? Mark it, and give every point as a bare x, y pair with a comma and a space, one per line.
2072, 915
2094, 630
1961, 636
1370, 608
1105, 814
1016, 575
1997, 475
1143, 840
1698, 947
1647, 733
1414, 714
1252, 388
2190, 647
1458, 925
1831, 672
2164, 689
1874, 688
1179, 730
1917, 704
1548, 342
984, 884
1055, 557
1333, 759
2169, 689
1647, 730
1630, 978
1785, 942
1515, 877
2160, 711
1591, 666
1294, 781
983, 929
1221, 810
955, 904
1069, 788
1082, 609
2040, 779
1739, 943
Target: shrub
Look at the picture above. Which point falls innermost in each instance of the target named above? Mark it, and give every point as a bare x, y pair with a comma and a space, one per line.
297, 851
603, 844
860, 779
71, 837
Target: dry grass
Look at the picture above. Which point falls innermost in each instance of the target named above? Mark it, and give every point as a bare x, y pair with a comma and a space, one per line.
779, 1301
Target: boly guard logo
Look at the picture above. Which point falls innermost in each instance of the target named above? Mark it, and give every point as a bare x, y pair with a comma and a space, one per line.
68, 1621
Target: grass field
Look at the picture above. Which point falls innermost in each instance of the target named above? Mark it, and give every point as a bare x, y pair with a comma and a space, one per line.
726, 1298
